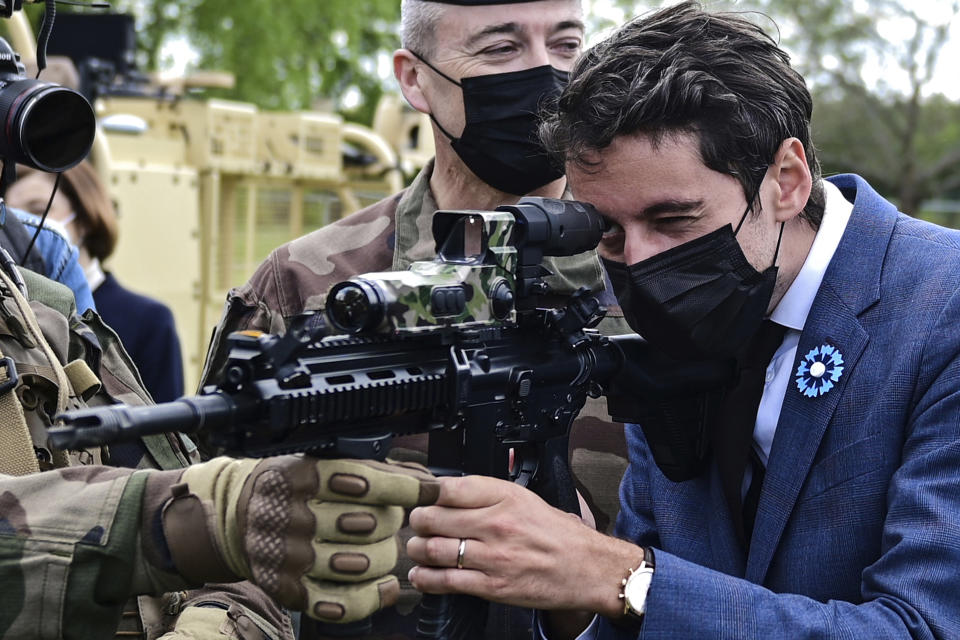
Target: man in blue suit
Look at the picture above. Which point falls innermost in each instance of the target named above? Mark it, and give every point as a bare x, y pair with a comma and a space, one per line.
839, 516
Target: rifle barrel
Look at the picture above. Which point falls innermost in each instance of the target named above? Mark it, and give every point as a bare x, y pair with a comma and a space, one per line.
121, 423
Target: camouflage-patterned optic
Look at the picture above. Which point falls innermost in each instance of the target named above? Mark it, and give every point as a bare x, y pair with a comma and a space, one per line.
471, 281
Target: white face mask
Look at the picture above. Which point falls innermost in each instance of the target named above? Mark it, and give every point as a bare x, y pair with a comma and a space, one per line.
60, 226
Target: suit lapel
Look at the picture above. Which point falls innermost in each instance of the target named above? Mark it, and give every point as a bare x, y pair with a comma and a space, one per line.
803, 421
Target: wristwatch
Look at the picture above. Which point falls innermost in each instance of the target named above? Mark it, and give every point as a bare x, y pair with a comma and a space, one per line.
634, 589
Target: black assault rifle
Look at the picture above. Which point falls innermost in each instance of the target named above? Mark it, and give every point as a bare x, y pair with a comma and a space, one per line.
460, 348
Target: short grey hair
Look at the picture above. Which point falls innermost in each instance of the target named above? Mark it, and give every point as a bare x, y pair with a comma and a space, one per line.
418, 21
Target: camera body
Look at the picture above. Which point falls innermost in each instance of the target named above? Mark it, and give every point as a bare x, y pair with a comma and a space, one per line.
487, 270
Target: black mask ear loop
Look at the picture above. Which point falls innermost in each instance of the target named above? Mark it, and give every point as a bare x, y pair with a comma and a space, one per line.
445, 77
742, 218
437, 71
776, 252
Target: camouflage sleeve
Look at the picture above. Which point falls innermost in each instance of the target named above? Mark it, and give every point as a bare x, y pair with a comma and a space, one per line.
68, 549
246, 308
74, 546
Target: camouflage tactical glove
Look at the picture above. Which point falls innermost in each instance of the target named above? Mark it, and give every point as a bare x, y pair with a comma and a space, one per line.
316, 535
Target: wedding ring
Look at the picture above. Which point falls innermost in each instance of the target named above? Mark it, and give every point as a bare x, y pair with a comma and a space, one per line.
460, 552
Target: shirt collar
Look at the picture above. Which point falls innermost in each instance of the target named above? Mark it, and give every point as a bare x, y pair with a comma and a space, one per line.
414, 222
793, 308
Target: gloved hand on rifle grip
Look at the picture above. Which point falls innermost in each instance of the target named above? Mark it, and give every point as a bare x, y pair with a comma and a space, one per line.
316, 535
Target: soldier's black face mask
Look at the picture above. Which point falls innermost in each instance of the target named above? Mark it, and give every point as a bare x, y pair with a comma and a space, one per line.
499, 142
701, 300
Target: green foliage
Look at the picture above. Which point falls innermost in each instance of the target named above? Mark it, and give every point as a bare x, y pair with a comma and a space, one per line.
284, 55
857, 133
885, 127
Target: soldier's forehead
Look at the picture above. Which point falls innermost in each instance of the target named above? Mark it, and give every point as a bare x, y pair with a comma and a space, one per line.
465, 26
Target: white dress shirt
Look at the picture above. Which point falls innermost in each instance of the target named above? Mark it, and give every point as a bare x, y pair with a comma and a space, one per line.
792, 312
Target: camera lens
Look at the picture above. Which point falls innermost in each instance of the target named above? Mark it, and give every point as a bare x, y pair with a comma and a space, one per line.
45, 126
354, 306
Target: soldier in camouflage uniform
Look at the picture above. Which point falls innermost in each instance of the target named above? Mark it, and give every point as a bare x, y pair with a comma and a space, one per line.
508, 48
77, 538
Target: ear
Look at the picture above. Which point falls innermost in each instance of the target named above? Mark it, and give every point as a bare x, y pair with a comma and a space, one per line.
406, 69
788, 181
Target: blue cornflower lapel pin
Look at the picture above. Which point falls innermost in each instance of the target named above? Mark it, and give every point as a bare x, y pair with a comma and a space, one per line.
819, 370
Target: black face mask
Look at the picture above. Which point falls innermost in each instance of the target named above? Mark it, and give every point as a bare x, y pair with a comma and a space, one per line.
700, 300
499, 141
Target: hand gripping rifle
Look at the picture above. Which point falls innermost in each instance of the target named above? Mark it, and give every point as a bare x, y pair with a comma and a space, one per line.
457, 347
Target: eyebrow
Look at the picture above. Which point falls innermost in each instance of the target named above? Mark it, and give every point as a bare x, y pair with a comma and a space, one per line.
672, 206
494, 29
515, 27
569, 24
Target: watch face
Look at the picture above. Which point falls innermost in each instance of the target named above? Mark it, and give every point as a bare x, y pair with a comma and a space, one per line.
635, 591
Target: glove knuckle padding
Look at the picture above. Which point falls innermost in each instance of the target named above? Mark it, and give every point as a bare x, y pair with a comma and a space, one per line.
353, 523
349, 602
370, 482
353, 563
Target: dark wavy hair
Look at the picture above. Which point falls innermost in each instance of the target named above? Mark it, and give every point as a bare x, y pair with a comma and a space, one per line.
684, 70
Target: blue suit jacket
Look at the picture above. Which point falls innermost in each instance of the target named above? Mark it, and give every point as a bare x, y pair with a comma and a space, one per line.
858, 526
